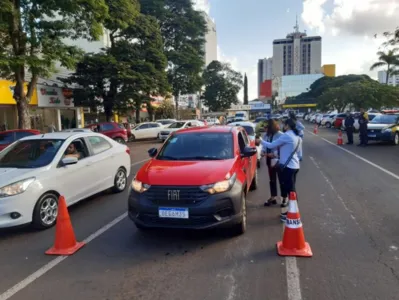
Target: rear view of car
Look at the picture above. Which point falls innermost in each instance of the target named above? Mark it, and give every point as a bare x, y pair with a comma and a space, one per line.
112, 130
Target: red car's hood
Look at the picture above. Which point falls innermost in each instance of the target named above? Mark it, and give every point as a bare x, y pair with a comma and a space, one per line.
161, 172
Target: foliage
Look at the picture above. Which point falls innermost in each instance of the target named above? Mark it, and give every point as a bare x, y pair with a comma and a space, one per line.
165, 110
359, 94
125, 75
389, 59
183, 31
33, 34
245, 89
222, 85
392, 37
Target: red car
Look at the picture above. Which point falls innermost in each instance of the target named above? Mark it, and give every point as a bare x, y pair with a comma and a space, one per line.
198, 179
112, 130
338, 120
10, 136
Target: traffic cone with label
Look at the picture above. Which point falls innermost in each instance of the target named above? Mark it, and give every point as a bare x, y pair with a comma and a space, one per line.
339, 139
293, 243
65, 241
316, 129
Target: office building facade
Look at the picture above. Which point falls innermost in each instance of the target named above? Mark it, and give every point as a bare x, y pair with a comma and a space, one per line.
265, 71
297, 54
392, 80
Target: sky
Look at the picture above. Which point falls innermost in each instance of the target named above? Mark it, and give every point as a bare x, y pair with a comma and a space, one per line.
247, 28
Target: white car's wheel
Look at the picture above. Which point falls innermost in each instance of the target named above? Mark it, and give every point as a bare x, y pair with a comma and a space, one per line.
46, 211
120, 181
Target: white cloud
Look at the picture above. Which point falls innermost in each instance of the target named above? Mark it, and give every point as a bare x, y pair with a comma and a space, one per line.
354, 17
288, 10
202, 5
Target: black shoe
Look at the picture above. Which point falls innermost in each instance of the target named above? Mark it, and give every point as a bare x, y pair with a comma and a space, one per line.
283, 217
270, 202
284, 203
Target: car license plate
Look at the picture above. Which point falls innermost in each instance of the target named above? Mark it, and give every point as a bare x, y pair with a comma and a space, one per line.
174, 213
372, 135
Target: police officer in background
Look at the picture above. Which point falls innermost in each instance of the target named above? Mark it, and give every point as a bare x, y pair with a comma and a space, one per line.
349, 121
363, 121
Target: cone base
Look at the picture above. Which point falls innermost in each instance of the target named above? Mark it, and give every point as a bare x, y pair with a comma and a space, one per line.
305, 252
68, 251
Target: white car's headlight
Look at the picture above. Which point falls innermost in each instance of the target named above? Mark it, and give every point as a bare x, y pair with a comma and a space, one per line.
16, 188
139, 187
221, 186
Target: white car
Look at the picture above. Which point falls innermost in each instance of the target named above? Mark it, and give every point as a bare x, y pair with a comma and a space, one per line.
165, 132
165, 122
300, 115
213, 121
328, 120
250, 129
34, 172
356, 124
148, 130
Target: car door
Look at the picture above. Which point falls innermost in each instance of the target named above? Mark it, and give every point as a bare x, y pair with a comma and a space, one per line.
101, 162
142, 131
245, 161
154, 130
76, 181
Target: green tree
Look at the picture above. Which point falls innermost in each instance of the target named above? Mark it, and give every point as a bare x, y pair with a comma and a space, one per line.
165, 110
389, 59
245, 89
33, 34
222, 85
183, 31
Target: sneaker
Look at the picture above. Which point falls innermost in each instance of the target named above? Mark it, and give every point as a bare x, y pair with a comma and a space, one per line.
271, 201
284, 203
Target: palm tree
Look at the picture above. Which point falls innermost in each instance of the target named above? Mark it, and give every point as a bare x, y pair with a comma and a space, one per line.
389, 59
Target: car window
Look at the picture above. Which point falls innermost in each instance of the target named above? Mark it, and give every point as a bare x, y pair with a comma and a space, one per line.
154, 125
143, 126
106, 127
77, 149
6, 138
198, 146
30, 153
249, 130
385, 119
121, 126
22, 134
99, 144
241, 141
177, 125
245, 136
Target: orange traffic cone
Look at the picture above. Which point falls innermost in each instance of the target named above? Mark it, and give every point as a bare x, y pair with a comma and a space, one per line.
293, 243
65, 241
339, 140
316, 129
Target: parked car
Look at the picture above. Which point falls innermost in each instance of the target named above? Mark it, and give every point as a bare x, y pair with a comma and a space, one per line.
338, 120
112, 130
250, 130
327, 120
36, 170
10, 136
199, 179
300, 115
384, 128
147, 130
212, 121
164, 133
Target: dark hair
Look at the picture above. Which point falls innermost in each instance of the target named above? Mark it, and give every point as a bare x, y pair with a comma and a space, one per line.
273, 127
292, 115
292, 124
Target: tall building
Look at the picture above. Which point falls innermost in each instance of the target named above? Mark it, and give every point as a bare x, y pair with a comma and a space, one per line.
297, 54
211, 44
265, 71
392, 80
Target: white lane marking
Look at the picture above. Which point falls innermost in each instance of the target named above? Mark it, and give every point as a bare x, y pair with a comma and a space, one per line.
293, 282
361, 158
43, 270
139, 162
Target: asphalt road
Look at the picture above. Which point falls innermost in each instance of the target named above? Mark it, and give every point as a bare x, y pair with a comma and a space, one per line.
348, 203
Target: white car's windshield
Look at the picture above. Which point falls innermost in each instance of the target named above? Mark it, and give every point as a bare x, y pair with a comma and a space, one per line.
30, 153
